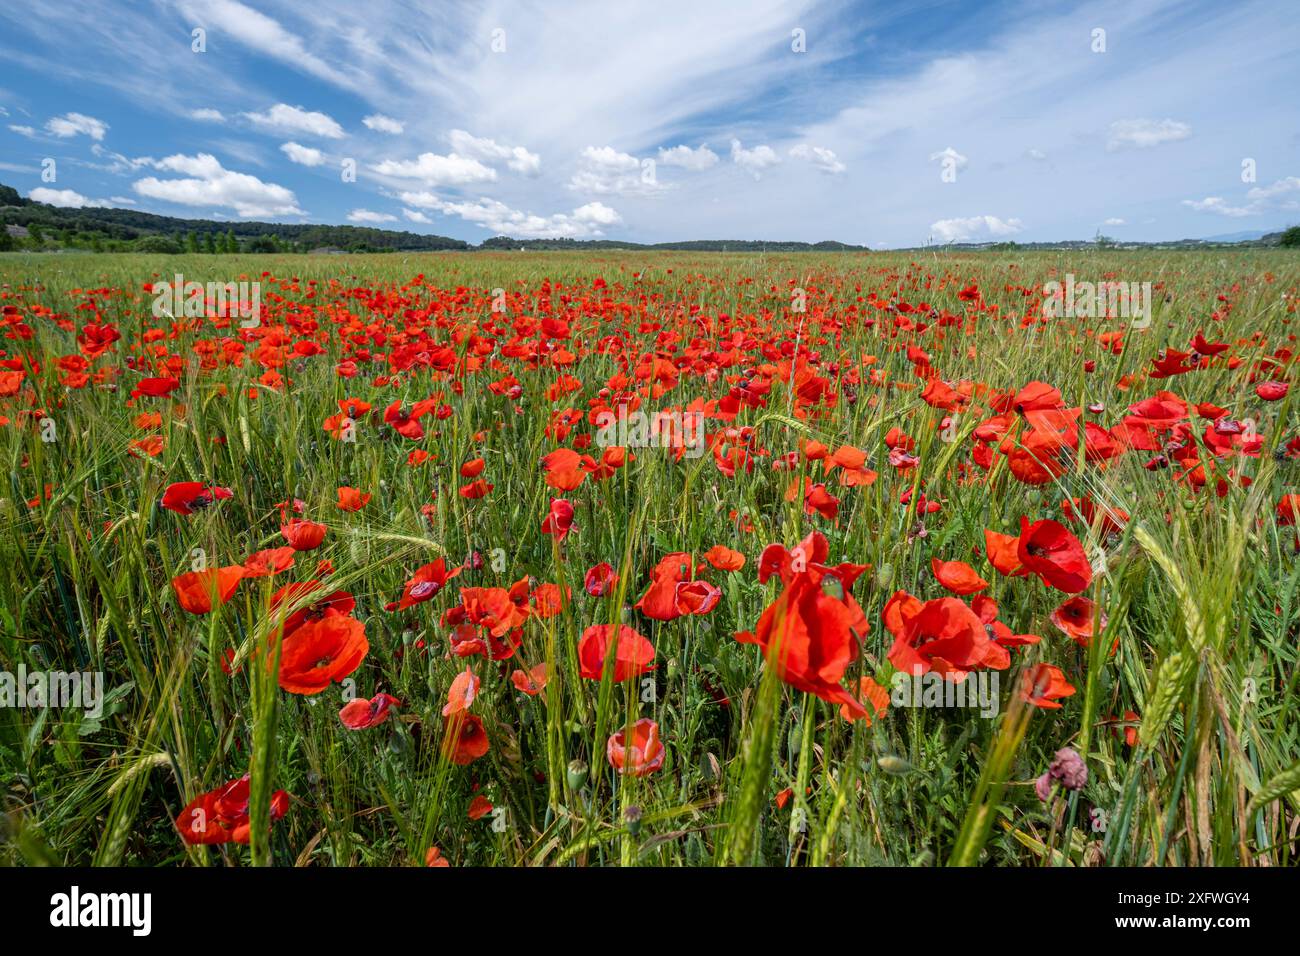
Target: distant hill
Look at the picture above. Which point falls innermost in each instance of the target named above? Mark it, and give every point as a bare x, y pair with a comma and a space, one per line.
34, 225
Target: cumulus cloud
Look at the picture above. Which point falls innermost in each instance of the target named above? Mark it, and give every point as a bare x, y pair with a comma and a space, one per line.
434, 170
366, 216
974, 228
753, 160
696, 159
1144, 133
64, 198
604, 171
384, 124
821, 157
282, 118
517, 158
414, 215
1282, 195
302, 155
587, 221
206, 182
73, 124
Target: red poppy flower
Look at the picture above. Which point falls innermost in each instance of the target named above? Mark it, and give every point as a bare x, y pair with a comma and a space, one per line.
427, 581
336, 602
461, 693
633, 654
637, 755
350, 499
943, 635
1047, 548
476, 489
198, 592
530, 682
320, 651
464, 740
221, 815
187, 497
472, 468
361, 714
303, 535
873, 698
600, 580
1272, 391
724, 558
1075, 619
262, 564
957, 576
1043, 685
479, 807
559, 519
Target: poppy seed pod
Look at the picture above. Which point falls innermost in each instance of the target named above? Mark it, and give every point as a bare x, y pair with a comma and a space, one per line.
576, 774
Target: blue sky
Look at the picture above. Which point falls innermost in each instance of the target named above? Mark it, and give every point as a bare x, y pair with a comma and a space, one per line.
666, 120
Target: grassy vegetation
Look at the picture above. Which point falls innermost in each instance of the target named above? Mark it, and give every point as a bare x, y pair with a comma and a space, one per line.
1199, 588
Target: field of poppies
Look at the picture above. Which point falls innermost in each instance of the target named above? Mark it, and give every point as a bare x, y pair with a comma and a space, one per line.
553, 559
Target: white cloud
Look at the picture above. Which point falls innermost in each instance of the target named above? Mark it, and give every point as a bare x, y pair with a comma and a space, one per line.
116, 162
366, 216
1282, 195
283, 118
64, 198
604, 171
121, 201
434, 170
1144, 133
23, 130
302, 155
414, 215
950, 154
753, 160
587, 221
72, 124
821, 157
974, 227
259, 32
1037, 155
517, 158
207, 115
384, 124
209, 184
694, 159
1114, 221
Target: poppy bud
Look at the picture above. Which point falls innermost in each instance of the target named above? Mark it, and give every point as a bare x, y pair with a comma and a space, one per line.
577, 774
894, 764
633, 817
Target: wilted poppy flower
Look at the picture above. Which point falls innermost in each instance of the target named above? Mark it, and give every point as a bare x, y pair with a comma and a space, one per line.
633, 654
637, 755
464, 740
187, 497
350, 499
198, 592
1043, 685
600, 580
303, 535
1048, 549
322, 650
361, 714
221, 815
